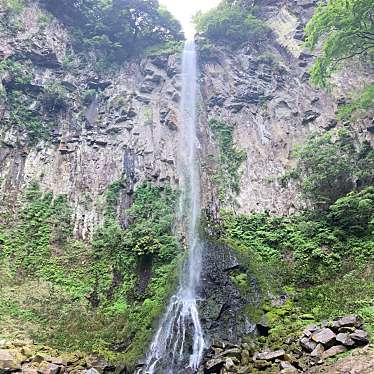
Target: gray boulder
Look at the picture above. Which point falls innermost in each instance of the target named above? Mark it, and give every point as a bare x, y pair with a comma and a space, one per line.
324, 336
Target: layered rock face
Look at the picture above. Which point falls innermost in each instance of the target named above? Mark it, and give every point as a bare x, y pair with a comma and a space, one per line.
114, 125
121, 122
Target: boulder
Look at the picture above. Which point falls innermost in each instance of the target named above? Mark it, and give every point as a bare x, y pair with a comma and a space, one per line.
318, 351
333, 351
245, 357
345, 339
324, 336
9, 360
233, 352
308, 345
48, 368
270, 356
91, 371
310, 116
97, 363
360, 336
212, 366
348, 321
262, 364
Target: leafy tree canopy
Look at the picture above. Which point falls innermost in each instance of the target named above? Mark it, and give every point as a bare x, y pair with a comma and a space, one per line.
120, 27
231, 22
347, 30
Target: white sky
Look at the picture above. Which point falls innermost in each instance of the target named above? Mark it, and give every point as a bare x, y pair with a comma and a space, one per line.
183, 10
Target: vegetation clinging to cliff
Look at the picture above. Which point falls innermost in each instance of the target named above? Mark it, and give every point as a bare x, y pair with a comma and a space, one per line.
117, 28
89, 297
231, 23
330, 165
347, 30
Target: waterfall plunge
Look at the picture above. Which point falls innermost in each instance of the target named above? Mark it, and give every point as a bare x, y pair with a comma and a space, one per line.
167, 353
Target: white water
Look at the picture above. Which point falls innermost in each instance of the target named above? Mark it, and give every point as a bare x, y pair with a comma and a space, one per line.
168, 353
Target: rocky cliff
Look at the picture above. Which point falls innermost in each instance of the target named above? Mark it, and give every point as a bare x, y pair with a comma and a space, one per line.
75, 126
121, 122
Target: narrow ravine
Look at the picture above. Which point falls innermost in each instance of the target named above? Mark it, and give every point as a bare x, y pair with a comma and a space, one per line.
179, 340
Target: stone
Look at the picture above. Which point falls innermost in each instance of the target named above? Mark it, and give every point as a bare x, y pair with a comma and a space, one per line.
48, 368
345, 339
318, 351
333, 351
309, 116
91, 371
233, 352
262, 364
9, 360
229, 364
360, 336
213, 365
348, 321
270, 356
324, 336
245, 357
307, 344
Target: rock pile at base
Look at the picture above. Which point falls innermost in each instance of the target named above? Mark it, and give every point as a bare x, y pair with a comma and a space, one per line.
312, 348
28, 358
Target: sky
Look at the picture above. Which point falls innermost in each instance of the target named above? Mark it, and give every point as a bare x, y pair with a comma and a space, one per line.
183, 10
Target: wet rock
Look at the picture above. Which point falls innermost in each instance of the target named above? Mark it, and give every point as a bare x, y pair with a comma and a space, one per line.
271, 356
333, 351
263, 328
345, 339
324, 336
309, 116
360, 336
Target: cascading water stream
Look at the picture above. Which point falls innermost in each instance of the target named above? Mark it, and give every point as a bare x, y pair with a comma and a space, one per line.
168, 350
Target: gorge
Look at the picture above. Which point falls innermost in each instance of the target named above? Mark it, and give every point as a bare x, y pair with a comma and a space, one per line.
172, 206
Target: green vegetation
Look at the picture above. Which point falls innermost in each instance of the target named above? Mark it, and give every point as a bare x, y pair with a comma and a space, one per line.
321, 261
231, 23
360, 105
230, 157
32, 108
346, 28
330, 165
116, 29
101, 297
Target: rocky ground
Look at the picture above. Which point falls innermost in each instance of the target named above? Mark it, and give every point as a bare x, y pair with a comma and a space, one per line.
29, 358
310, 353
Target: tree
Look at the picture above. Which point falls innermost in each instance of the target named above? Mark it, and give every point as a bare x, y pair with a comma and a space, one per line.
230, 23
117, 27
346, 28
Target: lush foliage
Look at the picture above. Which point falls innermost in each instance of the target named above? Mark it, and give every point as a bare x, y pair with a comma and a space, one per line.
231, 23
330, 165
360, 105
321, 261
115, 27
101, 298
230, 157
347, 30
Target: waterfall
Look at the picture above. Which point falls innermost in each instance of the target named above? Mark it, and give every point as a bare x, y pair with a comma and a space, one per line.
169, 351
